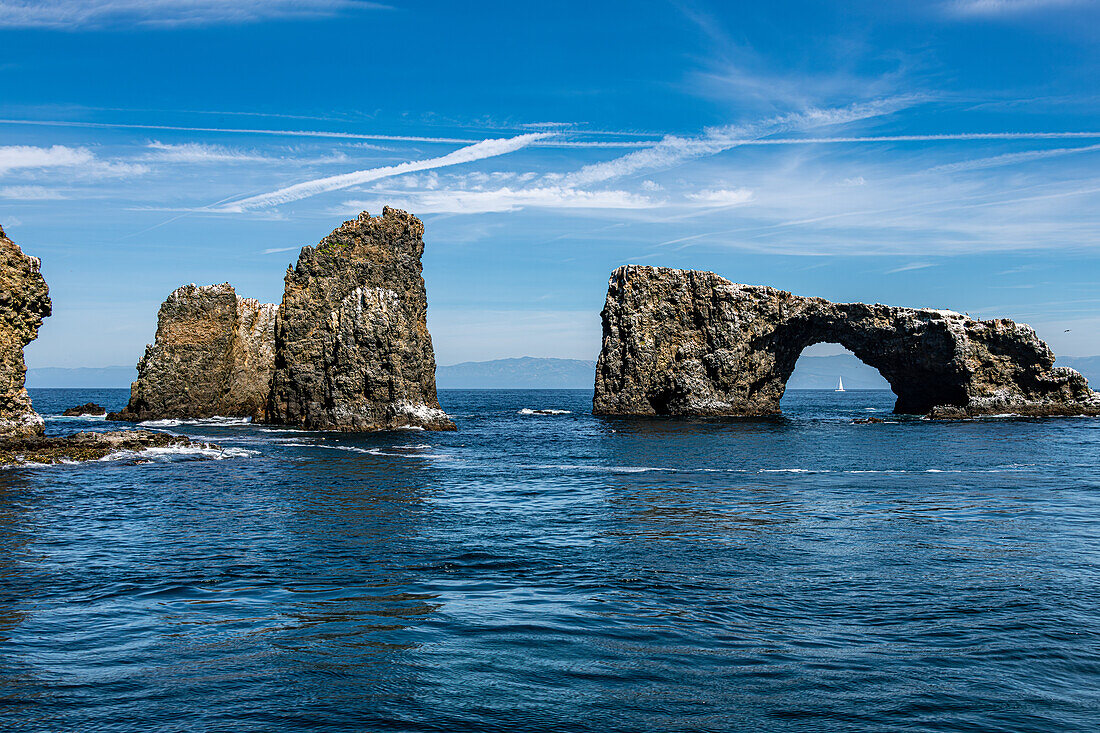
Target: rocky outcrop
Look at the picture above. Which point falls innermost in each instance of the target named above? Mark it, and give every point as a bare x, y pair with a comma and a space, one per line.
213, 355
15, 451
88, 408
352, 349
683, 342
24, 302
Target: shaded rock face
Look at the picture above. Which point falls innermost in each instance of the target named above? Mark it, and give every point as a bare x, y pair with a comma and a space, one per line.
352, 349
88, 408
684, 342
24, 302
214, 354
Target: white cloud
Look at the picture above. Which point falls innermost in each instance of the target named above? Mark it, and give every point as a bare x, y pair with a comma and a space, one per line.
910, 266
91, 14
468, 154
77, 162
673, 150
721, 196
1010, 159
508, 199
13, 157
199, 153
30, 193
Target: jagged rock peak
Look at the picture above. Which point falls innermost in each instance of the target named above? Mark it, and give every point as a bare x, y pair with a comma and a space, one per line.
687, 342
24, 302
352, 348
213, 355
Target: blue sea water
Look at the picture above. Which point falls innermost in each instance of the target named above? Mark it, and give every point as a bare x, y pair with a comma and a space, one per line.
561, 572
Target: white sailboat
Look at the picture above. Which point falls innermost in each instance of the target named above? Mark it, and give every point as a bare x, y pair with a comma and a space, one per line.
839, 384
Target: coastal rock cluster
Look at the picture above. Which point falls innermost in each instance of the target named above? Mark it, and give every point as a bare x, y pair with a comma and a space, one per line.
213, 355
24, 302
348, 348
686, 342
352, 348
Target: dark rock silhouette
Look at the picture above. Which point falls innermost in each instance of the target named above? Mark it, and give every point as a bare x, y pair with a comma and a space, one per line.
213, 355
352, 349
24, 302
684, 342
88, 408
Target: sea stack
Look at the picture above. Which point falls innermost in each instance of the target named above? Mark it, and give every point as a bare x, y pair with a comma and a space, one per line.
213, 355
352, 349
686, 342
24, 302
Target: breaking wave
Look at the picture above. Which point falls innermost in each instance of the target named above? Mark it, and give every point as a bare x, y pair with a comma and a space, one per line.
216, 421
529, 411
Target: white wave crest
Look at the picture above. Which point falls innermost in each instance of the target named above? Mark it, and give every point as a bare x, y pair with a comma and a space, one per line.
170, 453
529, 411
216, 421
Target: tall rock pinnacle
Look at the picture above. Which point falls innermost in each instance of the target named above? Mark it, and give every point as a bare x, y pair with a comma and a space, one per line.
352, 349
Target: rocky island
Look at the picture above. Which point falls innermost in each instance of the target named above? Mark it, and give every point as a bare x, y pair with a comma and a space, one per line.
213, 354
352, 348
24, 303
347, 349
687, 342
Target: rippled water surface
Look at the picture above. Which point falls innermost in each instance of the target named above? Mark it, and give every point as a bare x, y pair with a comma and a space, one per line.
561, 572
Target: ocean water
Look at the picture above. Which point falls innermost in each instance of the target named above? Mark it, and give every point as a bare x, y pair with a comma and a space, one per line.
561, 572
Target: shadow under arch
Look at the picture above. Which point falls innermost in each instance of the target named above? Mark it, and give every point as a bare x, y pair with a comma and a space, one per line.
905, 359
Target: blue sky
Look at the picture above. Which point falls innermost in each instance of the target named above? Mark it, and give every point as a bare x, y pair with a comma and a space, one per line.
942, 154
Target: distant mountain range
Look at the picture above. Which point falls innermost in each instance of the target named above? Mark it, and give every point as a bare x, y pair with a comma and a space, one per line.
523, 373
812, 372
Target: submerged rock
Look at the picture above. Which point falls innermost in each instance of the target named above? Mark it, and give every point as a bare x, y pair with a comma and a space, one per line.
24, 302
87, 446
686, 342
352, 349
214, 354
88, 408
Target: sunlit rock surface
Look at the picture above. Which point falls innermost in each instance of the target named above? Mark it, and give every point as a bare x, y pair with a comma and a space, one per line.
214, 355
686, 342
352, 349
24, 302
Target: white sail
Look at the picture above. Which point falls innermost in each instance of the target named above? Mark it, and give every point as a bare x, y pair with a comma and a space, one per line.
840, 384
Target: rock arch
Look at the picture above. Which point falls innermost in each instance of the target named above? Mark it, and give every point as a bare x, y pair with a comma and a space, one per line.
686, 342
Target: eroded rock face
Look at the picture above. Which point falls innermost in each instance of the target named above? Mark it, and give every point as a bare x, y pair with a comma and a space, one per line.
685, 342
352, 349
24, 302
214, 355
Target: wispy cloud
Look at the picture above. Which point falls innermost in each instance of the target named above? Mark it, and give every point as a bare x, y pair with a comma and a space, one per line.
30, 193
199, 153
673, 150
1010, 159
909, 267
468, 154
721, 196
13, 157
985, 8
509, 199
78, 162
75, 15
